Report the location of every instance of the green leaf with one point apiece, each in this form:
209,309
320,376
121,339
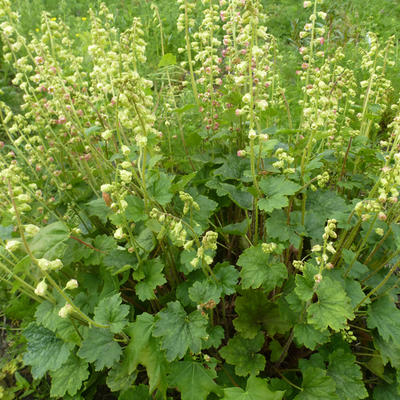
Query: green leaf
242,353
386,392
120,377
180,331
256,389
151,270
385,316
278,228
167,59
138,392
47,315
134,211
305,283
203,291
306,335
388,351
238,229
317,385
99,347
193,380
276,190
159,186
118,260
256,312
347,375
333,307
45,352
207,207
258,271
69,378
227,276
49,242
98,208
111,312
145,350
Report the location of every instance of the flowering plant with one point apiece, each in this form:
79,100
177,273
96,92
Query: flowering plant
195,229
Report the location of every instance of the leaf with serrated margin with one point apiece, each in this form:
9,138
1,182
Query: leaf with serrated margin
385,316
347,375
45,352
100,348
306,335
256,389
69,378
257,270
256,312
317,385
242,353
180,331
144,349
333,307
153,277
111,312
193,380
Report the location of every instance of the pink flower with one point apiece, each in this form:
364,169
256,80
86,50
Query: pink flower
321,40
241,153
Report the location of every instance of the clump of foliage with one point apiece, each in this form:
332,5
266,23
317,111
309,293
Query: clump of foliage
201,233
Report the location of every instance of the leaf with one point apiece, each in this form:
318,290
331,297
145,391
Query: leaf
159,186
242,353
69,378
152,277
118,260
386,392
193,380
45,352
167,59
120,377
305,283
145,350
306,335
256,312
278,228
333,307
201,292
347,375
238,229
49,242
47,315
233,168
385,316
276,189
180,331
111,312
207,207
388,351
227,276
256,389
317,385
99,347
134,211
98,208
257,270
138,392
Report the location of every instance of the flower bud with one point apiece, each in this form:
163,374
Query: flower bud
71,284
65,311
41,288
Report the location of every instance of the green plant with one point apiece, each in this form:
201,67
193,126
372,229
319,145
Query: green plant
204,233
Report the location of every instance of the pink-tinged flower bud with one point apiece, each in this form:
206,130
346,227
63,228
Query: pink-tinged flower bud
393,199
382,216
304,65
222,15
307,4
302,49
317,278
298,72
39,60
241,153
321,40
1,144
329,266
238,112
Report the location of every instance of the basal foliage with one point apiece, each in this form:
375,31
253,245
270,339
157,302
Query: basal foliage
201,233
